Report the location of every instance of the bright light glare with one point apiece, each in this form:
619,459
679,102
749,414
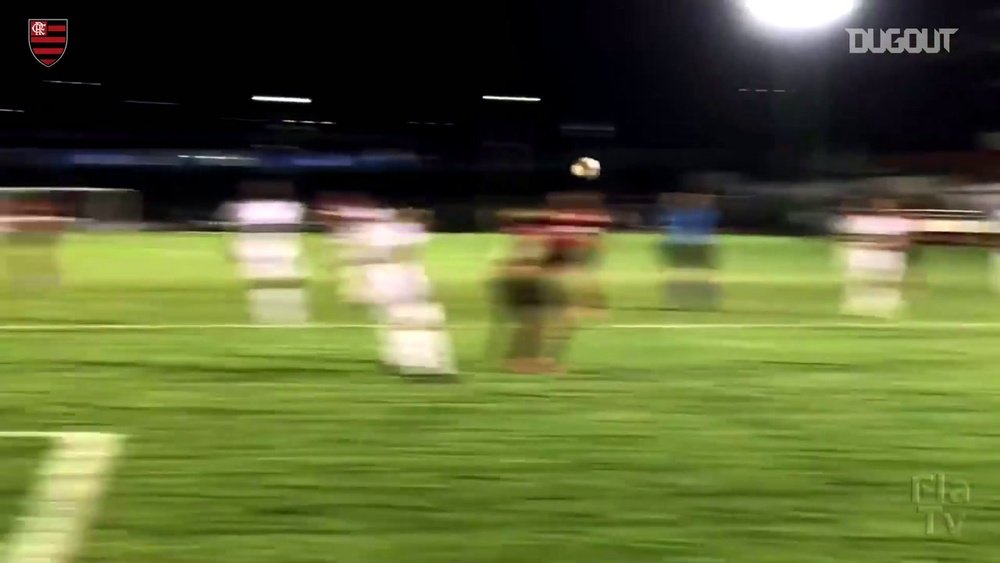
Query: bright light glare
282,99
799,14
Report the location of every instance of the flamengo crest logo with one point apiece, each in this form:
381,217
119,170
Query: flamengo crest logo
47,40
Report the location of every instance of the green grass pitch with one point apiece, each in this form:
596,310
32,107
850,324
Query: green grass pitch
724,443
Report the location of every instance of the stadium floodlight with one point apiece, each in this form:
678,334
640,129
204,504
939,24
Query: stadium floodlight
799,14
282,99
73,82
512,98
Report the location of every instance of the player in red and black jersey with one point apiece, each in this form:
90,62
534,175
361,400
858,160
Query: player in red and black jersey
576,224
548,278
520,291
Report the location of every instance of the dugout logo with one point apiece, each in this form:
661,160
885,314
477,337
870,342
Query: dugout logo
47,40
896,41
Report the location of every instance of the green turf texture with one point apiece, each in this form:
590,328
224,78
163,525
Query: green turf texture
701,445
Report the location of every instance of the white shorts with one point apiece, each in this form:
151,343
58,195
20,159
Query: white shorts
261,260
876,263
396,283
270,269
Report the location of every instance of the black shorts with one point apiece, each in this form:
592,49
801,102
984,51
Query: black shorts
521,292
701,256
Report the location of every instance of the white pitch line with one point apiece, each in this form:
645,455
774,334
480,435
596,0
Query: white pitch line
913,325
65,496
69,327
910,325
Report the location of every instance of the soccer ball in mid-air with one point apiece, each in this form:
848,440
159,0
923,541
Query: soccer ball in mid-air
586,167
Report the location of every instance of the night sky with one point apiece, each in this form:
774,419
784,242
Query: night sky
662,73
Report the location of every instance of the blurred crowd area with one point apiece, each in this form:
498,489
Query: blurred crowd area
802,199
801,208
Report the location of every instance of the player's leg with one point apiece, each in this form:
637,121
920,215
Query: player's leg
707,294
377,279
855,282
874,282
664,250
420,344
558,321
687,275
277,292
432,323
893,274
525,349
500,314
438,350
414,327
522,301
593,298
278,301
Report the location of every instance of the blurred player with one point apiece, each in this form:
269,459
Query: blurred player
877,241
344,218
577,222
574,237
690,222
524,293
412,330
268,250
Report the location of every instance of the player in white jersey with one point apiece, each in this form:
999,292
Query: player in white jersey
345,219
412,325
268,249
876,243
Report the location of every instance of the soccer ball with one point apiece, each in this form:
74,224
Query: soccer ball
586,167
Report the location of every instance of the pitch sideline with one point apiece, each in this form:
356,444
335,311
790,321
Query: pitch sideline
64,497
